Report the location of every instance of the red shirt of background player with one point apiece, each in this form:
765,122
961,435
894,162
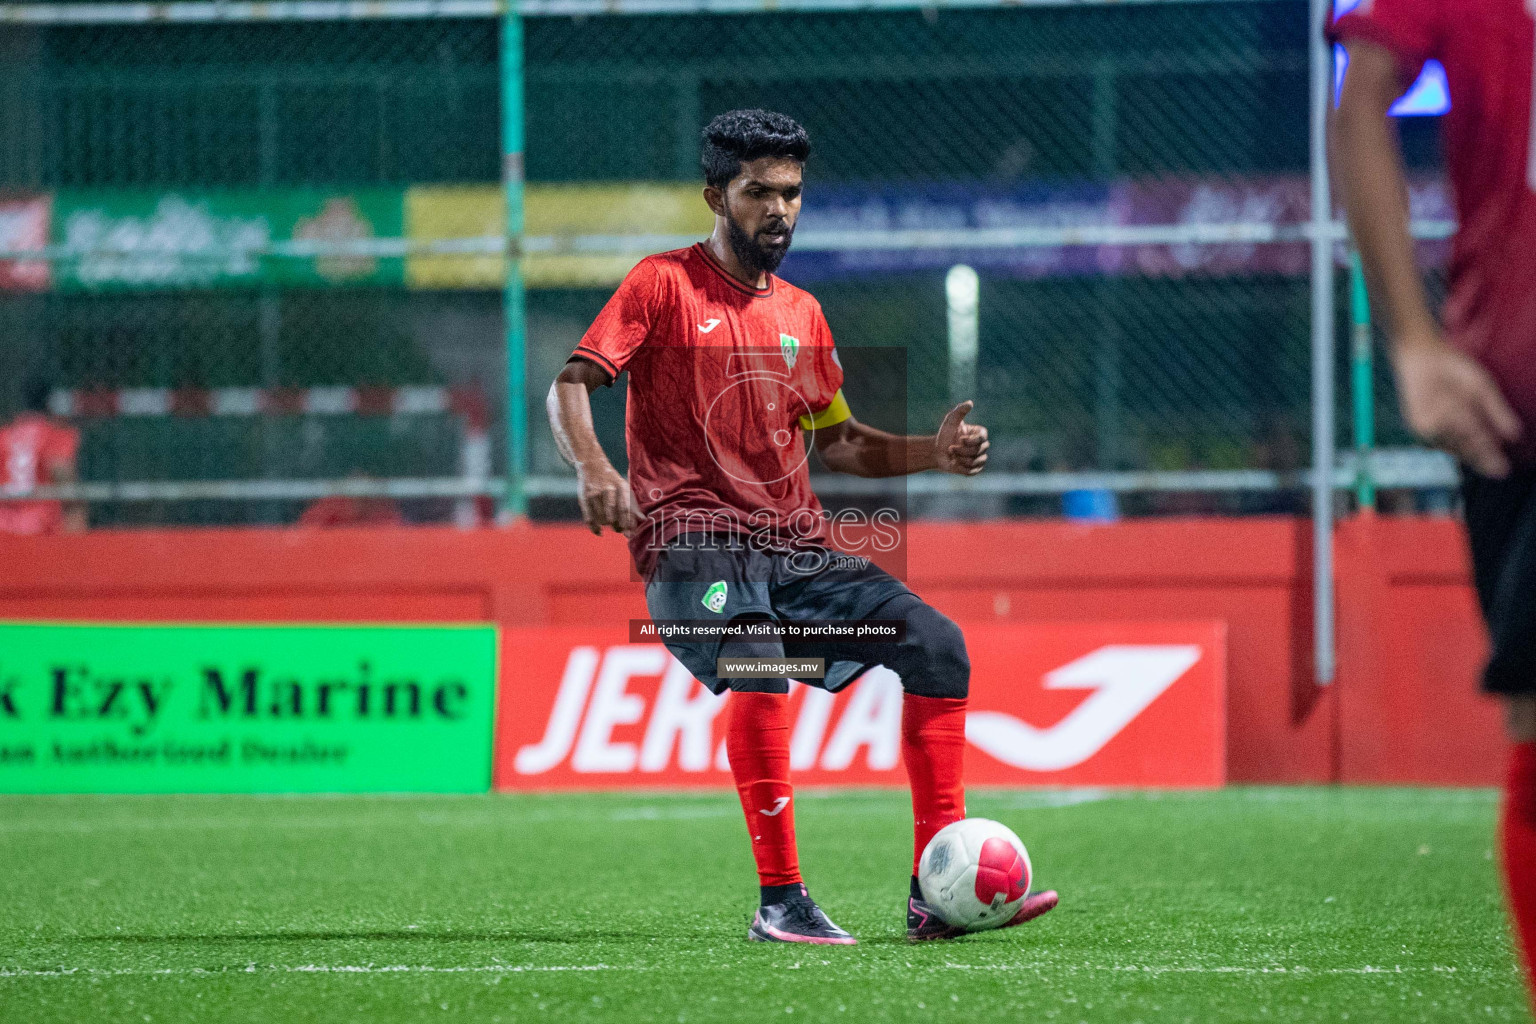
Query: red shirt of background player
1486,47
723,380
34,450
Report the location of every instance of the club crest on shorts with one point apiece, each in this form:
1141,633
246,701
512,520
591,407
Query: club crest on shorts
790,346
714,597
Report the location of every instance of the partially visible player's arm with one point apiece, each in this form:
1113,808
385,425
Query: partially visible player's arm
602,491
59,455
1447,398
63,472
859,450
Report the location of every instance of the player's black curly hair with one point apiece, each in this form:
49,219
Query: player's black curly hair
738,136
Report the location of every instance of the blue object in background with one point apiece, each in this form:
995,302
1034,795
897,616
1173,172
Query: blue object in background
1429,96
1090,506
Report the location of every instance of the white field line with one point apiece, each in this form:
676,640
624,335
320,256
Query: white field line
97,972
982,800
1155,969
1042,966
1042,800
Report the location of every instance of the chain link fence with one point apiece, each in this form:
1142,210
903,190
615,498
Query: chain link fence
267,253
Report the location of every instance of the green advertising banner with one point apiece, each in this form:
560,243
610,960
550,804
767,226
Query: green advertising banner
205,239
246,709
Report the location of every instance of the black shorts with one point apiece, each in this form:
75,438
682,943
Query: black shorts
818,583
1501,523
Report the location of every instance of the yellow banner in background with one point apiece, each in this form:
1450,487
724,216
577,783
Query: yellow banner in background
454,211
436,213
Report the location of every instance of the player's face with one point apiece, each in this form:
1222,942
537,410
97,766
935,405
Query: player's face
761,206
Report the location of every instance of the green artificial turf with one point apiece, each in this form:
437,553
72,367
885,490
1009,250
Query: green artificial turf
1241,905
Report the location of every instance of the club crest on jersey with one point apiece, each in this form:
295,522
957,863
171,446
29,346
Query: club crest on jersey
790,346
714,597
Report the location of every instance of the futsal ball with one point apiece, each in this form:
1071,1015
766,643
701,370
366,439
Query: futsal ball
975,873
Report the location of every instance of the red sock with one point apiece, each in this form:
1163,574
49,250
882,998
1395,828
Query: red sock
757,742
933,747
1518,829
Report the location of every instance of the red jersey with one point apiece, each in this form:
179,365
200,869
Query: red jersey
1486,47
30,450
723,379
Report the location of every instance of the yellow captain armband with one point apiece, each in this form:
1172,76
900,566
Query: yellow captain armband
830,416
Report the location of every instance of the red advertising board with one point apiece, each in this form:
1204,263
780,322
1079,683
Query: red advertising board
1105,704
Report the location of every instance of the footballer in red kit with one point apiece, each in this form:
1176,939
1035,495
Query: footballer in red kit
721,375
733,380
37,450
1471,386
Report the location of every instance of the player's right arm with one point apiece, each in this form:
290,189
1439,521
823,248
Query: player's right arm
1446,397
624,324
602,490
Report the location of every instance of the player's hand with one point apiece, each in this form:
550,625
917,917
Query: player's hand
605,499
1452,402
961,447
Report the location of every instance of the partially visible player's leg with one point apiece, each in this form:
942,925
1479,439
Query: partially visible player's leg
757,744
1501,524
1517,827
936,682
935,676
730,581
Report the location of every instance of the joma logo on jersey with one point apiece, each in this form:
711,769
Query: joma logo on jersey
790,346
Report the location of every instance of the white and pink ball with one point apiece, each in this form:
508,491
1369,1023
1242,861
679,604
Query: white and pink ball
975,873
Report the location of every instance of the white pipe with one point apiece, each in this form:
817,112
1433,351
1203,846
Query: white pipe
1323,344
191,12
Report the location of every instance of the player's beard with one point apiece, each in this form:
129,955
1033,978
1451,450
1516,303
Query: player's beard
753,255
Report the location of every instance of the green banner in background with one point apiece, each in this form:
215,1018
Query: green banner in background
242,709
204,239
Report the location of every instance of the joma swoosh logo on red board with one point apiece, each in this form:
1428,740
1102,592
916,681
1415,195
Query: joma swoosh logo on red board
1113,704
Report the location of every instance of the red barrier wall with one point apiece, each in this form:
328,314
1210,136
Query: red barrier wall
1411,644
1404,708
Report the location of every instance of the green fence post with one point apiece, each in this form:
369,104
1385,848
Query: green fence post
515,498
1362,388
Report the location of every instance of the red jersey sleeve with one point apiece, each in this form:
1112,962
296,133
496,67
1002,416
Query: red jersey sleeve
1409,28
826,396
625,322
829,368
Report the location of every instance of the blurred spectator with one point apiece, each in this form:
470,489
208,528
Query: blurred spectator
37,449
343,510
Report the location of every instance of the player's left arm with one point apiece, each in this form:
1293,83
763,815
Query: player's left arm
849,446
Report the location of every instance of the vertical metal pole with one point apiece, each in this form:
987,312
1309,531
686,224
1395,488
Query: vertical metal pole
1322,352
1361,385
515,500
